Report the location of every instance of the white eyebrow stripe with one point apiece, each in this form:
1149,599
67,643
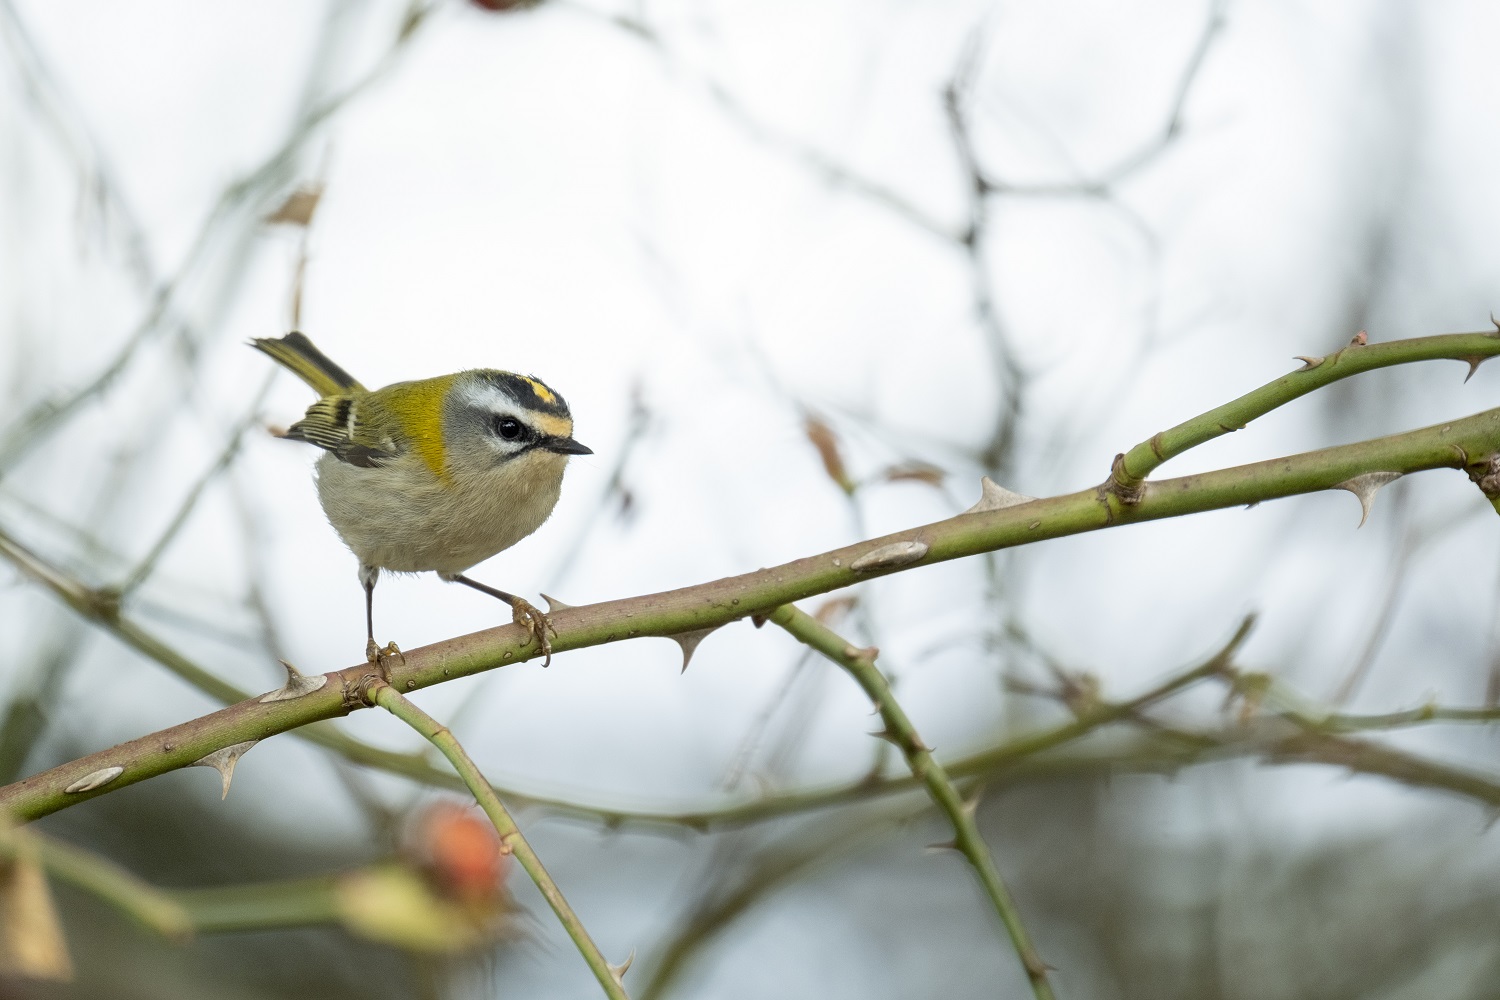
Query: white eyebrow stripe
485,396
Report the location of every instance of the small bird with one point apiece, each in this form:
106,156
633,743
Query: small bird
432,475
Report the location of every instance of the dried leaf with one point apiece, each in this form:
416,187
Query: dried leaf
31,938
827,443
299,207
916,471
835,608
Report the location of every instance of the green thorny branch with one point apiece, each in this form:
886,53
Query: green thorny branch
860,664
610,977
1000,520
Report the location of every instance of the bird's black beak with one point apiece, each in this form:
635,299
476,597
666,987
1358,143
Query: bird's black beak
567,446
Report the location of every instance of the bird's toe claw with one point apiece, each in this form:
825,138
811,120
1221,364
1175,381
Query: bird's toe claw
527,615
385,658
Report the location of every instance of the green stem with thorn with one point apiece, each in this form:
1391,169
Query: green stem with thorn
860,664
1135,465
378,692
1469,443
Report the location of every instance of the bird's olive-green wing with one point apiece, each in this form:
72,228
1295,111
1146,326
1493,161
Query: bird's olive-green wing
353,428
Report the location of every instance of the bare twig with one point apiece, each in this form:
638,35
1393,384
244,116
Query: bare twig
240,201
98,876
147,564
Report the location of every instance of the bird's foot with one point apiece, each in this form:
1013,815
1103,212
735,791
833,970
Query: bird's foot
383,659
527,615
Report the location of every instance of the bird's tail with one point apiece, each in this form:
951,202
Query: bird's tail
297,354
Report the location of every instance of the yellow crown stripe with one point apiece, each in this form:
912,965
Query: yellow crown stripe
542,392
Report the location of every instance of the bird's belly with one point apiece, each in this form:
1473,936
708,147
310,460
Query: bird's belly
398,517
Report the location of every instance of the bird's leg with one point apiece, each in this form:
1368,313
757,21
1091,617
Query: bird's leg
523,613
373,653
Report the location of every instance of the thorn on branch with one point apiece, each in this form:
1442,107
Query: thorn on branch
689,642
1474,363
1308,363
223,761
554,605
1365,487
1036,969
993,496
618,971
297,685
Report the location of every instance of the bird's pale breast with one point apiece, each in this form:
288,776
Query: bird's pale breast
400,517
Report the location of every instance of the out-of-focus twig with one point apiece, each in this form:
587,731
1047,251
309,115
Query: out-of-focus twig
242,201
102,878
762,874
615,492
189,503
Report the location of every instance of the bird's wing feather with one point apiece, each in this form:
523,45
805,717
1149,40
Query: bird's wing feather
348,427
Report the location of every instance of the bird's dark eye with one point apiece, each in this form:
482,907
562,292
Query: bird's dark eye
508,428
